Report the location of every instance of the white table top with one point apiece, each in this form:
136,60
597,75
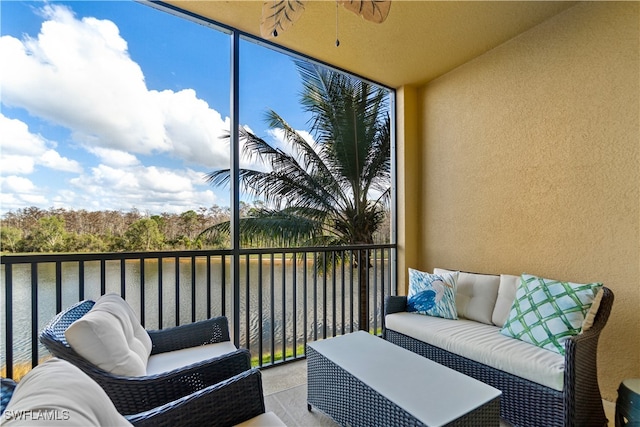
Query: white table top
432,393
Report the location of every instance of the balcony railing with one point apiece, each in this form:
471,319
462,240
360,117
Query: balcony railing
281,299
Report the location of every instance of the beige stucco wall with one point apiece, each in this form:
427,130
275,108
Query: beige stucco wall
529,162
409,224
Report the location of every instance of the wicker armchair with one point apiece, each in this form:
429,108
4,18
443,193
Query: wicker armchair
134,395
230,402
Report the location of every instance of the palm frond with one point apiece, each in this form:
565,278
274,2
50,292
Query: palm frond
270,228
320,192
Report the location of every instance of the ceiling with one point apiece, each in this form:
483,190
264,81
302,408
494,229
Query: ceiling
419,41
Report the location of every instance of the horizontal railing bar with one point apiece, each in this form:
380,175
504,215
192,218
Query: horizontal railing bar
109,256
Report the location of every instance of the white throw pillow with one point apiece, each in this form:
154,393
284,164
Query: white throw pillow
506,295
58,393
475,295
111,337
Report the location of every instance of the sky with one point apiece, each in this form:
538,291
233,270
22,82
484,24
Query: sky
115,105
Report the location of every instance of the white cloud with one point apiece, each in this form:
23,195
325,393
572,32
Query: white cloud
17,184
23,150
147,188
53,160
33,200
115,158
193,129
18,192
21,165
79,74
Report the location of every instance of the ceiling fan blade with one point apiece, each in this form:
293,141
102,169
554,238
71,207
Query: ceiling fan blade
371,10
279,15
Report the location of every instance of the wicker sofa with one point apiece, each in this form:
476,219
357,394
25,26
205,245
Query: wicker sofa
539,387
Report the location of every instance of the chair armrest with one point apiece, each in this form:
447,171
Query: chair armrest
208,331
224,404
395,304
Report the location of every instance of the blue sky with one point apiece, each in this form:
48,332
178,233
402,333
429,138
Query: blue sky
115,105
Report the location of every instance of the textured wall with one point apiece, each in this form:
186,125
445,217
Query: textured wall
409,223
530,163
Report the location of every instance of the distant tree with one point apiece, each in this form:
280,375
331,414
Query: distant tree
24,230
47,236
10,238
85,243
189,222
144,235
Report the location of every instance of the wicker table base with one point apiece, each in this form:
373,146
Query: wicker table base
361,380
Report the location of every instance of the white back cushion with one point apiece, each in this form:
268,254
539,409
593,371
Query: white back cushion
506,295
58,393
111,337
475,295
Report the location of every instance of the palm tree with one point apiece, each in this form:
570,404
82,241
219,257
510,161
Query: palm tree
333,191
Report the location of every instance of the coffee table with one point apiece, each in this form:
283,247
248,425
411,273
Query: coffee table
362,380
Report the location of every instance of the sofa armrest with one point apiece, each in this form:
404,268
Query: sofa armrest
395,304
208,331
227,403
582,392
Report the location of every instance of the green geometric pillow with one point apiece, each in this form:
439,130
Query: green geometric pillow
547,312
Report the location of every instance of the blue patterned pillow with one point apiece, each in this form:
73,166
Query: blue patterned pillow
432,294
547,312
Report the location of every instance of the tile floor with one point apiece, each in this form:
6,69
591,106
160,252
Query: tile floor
285,391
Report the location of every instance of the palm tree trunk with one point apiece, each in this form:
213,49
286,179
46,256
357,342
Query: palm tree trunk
363,282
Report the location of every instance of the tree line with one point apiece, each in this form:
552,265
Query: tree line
66,230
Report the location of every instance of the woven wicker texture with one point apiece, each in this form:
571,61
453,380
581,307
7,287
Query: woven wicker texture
224,404
227,403
525,403
347,400
133,395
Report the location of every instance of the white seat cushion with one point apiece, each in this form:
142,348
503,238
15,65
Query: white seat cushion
58,393
165,362
484,344
268,419
475,295
111,337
